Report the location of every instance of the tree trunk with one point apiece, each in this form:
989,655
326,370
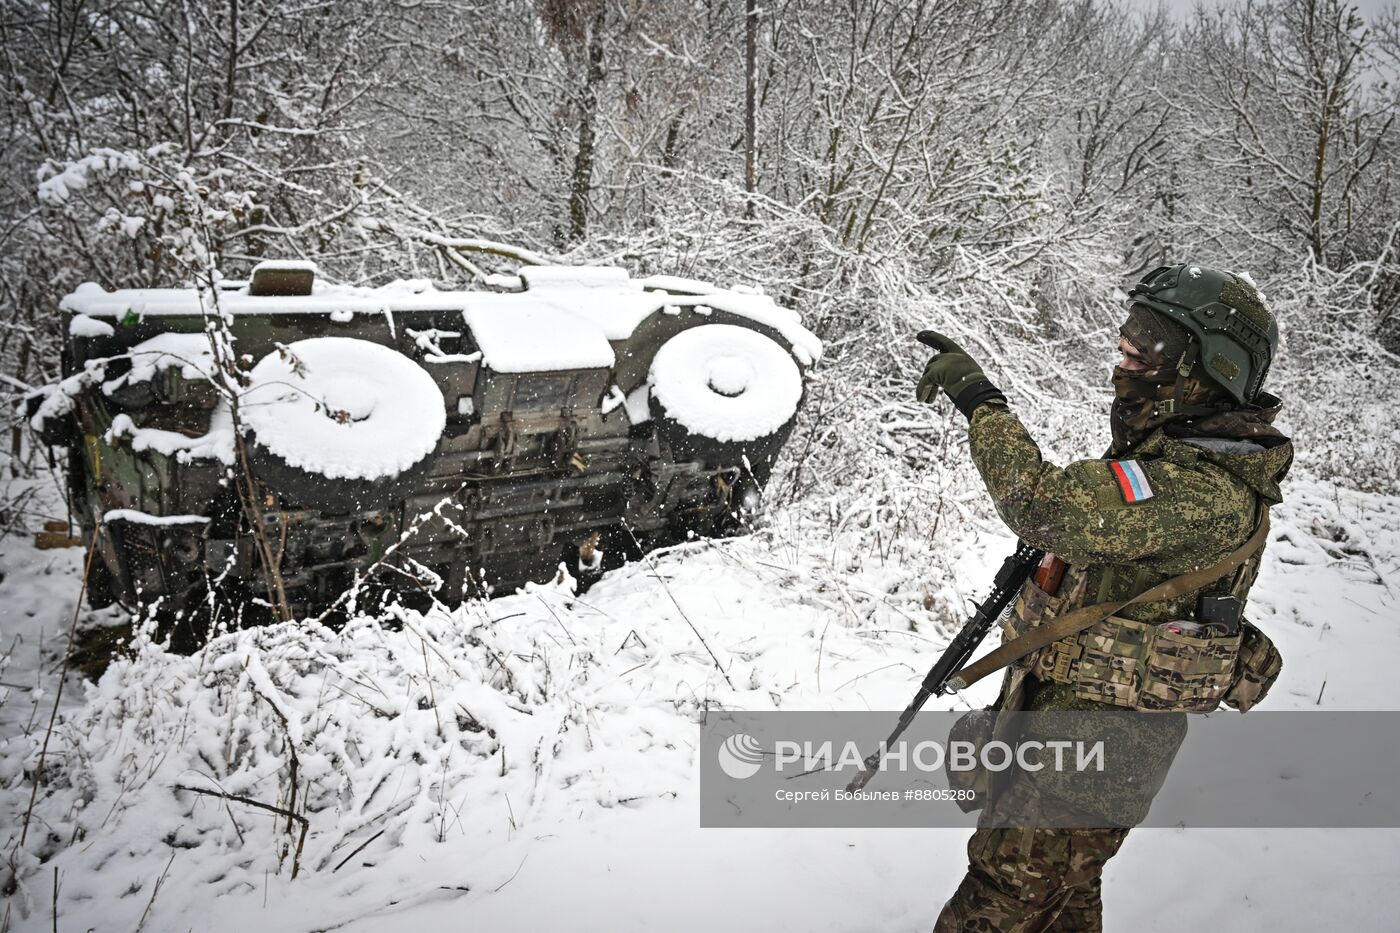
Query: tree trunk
750,79
16,432
1319,180
670,158
588,115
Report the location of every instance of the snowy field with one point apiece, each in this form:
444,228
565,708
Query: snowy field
529,763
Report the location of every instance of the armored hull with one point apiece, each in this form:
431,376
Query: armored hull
509,430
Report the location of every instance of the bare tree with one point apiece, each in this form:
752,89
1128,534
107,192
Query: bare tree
1292,121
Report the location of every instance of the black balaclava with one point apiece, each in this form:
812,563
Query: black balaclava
1139,396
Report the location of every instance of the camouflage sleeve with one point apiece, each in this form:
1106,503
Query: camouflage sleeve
1194,511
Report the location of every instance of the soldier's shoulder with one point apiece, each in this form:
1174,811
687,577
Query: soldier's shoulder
1190,455
1162,471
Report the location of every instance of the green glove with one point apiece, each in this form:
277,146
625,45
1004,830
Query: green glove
956,373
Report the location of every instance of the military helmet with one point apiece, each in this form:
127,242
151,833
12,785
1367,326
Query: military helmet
1225,314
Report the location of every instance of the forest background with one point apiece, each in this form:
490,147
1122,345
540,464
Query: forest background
998,169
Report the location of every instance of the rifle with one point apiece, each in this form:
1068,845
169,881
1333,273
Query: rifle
942,677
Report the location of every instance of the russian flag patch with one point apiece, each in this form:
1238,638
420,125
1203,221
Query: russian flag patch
1132,480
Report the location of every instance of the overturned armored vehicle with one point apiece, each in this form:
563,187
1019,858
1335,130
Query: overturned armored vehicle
437,442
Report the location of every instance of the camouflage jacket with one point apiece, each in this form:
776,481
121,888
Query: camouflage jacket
1170,506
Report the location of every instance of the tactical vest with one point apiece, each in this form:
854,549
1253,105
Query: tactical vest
1150,662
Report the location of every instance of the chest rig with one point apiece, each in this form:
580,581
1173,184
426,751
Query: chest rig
1158,656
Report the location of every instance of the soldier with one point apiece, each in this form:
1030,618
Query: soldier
1194,464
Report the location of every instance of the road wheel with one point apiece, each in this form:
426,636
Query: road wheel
339,424
725,396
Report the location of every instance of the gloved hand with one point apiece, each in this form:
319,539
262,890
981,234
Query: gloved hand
956,373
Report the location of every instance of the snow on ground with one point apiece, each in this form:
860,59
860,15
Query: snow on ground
529,763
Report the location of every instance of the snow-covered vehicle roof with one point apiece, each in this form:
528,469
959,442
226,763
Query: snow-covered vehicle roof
569,313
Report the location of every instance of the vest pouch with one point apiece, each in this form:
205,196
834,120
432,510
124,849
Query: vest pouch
975,726
1033,606
1110,657
1259,667
1187,671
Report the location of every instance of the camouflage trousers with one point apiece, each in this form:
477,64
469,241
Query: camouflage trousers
1032,879
1030,875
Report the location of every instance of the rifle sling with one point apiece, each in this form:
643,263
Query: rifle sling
1072,623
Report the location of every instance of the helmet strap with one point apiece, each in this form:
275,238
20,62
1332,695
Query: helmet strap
1189,356
1184,367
